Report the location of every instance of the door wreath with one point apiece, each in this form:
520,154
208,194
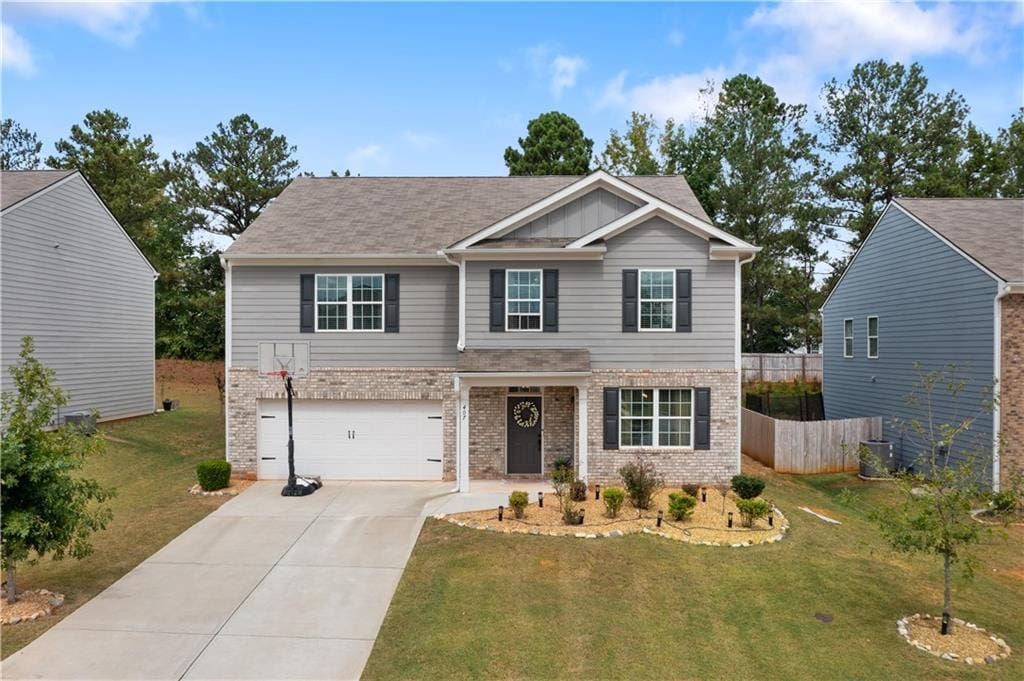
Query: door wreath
525,414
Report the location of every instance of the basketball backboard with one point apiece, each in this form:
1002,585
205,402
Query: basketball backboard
278,356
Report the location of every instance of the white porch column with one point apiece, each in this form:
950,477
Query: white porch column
462,423
581,435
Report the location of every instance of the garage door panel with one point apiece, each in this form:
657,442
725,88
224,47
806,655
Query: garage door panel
353,440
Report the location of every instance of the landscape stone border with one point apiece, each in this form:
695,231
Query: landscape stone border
198,491
783,526
976,514
902,626
44,607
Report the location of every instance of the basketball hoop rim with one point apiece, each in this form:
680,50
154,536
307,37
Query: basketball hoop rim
280,374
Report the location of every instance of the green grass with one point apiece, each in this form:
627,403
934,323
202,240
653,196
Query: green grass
150,462
476,604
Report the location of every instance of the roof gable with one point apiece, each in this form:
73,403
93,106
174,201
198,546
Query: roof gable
19,185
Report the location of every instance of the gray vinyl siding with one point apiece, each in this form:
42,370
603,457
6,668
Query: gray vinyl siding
933,307
265,307
590,304
87,303
576,218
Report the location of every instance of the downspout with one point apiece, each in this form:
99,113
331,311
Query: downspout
997,360
461,264
739,357
227,355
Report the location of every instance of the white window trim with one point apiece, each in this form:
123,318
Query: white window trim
656,417
867,328
851,337
349,305
539,316
640,301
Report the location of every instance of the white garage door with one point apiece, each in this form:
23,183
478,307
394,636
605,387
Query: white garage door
352,440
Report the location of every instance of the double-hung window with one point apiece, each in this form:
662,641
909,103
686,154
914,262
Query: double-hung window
350,302
847,338
656,417
657,300
872,337
523,300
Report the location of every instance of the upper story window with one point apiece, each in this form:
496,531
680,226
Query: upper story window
872,337
847,338
661,417
657,300
523,300
350,302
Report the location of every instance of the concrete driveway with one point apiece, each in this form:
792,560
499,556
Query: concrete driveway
265,587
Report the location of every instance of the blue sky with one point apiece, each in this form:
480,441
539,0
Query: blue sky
435,89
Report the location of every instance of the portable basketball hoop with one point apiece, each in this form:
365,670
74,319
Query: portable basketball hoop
297,486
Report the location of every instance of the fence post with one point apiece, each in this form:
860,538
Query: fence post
803,368
760,367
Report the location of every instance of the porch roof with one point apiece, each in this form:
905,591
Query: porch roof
524,361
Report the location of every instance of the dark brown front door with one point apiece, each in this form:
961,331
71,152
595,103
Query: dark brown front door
524,421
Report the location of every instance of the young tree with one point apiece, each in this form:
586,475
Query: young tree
636,151
554,145
20,147
232,174
1010,142
48,508
939,491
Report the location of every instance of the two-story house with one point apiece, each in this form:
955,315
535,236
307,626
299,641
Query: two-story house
477,328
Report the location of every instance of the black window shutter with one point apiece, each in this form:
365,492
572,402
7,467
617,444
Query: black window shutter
391,303
702,418
611,418
551,300
497,300
684,301
307,303
630,299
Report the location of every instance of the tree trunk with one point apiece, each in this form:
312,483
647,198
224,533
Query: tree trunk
12,593
947,594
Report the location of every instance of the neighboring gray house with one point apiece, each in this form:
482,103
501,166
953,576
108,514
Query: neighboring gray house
473,328
940,282
74,281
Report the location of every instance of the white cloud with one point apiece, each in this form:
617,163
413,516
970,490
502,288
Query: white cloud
676,96
421,140
368,155
676,37
564,69
17,55
120,22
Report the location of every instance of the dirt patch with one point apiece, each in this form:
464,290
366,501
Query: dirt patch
709,523
967,643
30,606
188,372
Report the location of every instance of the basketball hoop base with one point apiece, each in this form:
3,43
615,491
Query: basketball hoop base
301,487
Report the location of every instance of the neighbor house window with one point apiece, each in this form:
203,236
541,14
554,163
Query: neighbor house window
655,417
349,302
657,300
872,337
847,338
523,300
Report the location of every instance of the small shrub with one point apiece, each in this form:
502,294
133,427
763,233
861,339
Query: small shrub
213,475
747,486
562,478
562,463
1010,499
613,498
518,502
752,509
578,490
641,481
681,505
692,490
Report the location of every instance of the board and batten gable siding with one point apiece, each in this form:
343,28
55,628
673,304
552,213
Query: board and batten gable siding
576,218
590,304
934,307
265,307
88,302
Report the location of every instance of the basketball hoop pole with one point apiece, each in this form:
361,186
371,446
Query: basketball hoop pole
296,487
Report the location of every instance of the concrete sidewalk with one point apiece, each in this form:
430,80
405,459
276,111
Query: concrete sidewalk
265,587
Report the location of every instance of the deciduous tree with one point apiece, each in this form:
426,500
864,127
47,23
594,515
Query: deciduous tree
554,145
634,152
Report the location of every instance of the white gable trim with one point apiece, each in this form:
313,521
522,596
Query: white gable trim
894,204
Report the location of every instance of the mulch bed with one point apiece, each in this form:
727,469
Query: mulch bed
708,525
967,643
31,605
236,487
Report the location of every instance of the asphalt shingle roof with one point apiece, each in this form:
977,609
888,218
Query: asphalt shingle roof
16,185
408,215
505,360
989,230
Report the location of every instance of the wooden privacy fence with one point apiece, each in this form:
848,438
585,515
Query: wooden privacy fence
781,367
806,446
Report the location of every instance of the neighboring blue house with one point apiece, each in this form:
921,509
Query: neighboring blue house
940,282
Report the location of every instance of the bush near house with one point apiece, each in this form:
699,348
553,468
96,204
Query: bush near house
752,509
213,475
747,486
518,501
613,499
642,481
681,505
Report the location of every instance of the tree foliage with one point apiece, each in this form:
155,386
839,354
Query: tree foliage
19,147
190,308
1011,146
554,145
634,152
233,173
48,508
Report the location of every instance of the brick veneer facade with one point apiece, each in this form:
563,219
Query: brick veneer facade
487,417
1011,387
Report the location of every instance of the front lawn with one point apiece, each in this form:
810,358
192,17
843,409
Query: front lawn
150,461
480,604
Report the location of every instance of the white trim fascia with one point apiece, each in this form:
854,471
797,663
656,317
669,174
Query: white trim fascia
733,253
590,253
343,259
227,359
657,208
895,204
